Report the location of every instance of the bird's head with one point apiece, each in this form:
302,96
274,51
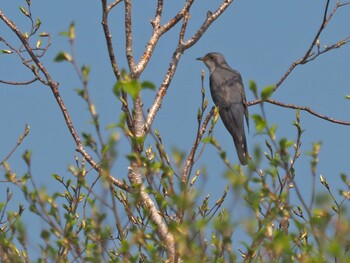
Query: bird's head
212,60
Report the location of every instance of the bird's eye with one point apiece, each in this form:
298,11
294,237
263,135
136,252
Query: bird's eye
211,57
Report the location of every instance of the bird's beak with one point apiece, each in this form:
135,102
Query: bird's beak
201,59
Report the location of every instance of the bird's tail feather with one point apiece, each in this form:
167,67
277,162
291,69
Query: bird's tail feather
242,151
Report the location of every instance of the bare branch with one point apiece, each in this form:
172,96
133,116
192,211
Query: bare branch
303,108
128,37
343,4
183,28
323,25
18,83
108,38
112,5
19,141
327,49
211,17
156,21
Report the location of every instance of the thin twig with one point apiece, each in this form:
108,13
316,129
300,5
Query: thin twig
129,37
112,5
303,108
15,83
190,159
19,141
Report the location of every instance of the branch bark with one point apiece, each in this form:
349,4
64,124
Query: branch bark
303,108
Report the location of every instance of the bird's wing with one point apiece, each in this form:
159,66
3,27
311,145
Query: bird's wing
228,94
232,117
226,87
244,101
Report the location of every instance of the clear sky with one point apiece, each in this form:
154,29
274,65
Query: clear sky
261,39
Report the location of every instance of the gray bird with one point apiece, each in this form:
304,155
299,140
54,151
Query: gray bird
227,91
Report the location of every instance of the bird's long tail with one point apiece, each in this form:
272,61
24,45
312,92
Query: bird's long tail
242,150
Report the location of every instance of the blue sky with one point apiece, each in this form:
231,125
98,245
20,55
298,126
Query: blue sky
261,39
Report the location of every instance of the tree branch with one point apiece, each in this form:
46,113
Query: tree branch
108,38
303,108
18,83
19,141
112,5
129,37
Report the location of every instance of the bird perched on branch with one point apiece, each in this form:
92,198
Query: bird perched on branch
227,91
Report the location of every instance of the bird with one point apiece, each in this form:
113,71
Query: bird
227,92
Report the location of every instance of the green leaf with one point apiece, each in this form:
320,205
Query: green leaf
45,235
89,140
57,178
253,87
85,70
6,51
71,32
37,24
207,140
38,43
132,87
205,104
80,92
62,56
267,92
44,34
148,85
27,156
272,131
260,122
24,11
347,97
285,144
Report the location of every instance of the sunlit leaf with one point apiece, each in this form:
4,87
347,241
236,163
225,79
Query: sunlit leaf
131,87
6,51
260,122
44,34
38,43
85,70
148,85
62,56
71,32
24,11
253,87
267,92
